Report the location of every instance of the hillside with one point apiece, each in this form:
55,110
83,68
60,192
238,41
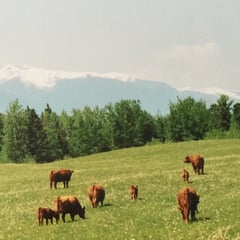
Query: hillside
155,215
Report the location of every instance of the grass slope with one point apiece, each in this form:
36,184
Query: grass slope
155,215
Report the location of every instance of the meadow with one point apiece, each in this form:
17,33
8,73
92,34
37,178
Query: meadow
155,215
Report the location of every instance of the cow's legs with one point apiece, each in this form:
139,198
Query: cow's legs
72,216
63,217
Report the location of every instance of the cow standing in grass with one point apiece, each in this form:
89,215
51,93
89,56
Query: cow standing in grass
197,162
188,201
48,214
133,192
56,176
69,205
96,194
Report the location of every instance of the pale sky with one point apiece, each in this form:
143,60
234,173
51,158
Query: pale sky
185,43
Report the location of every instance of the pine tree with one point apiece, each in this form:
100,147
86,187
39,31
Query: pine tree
36,137
15,132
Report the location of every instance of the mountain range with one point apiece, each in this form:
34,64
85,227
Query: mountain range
36,87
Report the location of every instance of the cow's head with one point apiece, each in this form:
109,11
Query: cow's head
82,212
187,159
56,216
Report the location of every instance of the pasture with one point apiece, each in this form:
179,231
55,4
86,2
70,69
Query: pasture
155,215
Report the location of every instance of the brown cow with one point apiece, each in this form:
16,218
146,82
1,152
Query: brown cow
71,205
185,175
197,162
47,213
56,176
96,194
188,201
133,191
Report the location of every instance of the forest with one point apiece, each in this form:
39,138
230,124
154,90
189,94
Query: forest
26,136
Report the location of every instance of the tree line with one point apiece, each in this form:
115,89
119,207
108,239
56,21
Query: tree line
26,136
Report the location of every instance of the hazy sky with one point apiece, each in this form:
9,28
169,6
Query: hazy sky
185,43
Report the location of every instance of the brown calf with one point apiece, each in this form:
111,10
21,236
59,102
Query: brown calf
133,191
185,175
48,214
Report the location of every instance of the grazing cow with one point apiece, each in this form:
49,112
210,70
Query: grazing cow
185,175
60,176
47,213
71,205
188,201
133,191
96,194
197,163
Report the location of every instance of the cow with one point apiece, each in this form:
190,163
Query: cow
56,176
197,163
188,201
185,175
71,205
48,214
96,194
133,191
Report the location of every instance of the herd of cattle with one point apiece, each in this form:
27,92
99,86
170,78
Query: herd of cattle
70,204
187,197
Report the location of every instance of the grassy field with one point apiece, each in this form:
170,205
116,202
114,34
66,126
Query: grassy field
155,215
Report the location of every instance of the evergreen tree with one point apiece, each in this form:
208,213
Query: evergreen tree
15,133
161,127
64,131
236,115
36,137
1,130
51,125
224,112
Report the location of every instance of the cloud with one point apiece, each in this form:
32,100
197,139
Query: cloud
195,65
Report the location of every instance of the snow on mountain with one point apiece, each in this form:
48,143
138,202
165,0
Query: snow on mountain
212,91
43,78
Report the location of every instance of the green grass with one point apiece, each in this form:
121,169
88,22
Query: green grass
155,215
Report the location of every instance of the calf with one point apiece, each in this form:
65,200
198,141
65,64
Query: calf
56,176
185,175
71,205
197,162
48,214
188,201
133,191
96,194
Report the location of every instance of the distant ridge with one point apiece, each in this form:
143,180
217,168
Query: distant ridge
65,91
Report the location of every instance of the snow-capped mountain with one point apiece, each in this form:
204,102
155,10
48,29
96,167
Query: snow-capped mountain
35,87
43,78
